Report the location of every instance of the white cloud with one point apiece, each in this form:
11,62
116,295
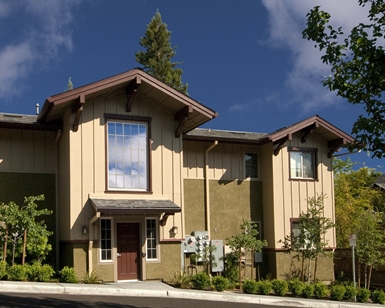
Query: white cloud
46,28
287,20
240,108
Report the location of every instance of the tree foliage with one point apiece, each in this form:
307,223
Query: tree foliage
21,229
353,195
246,241
156,59
357,64
310,241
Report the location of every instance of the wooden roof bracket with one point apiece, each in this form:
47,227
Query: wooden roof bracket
280,143
334,145
308,130
182,117
131,91
163,220
77,108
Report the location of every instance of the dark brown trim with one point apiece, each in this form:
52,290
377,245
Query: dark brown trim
136,192
171,240
35,126
131,91
182,116
77,108
280,143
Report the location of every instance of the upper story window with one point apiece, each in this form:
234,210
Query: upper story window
302,164
128,155
251,165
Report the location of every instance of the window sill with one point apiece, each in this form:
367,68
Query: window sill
303,180
128,192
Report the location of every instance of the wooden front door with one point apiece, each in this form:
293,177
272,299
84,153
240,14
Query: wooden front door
128,249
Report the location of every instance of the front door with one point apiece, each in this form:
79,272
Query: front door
128,248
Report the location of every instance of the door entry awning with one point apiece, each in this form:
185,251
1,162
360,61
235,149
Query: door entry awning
134,206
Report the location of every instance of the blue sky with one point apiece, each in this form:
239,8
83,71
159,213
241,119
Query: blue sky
244,59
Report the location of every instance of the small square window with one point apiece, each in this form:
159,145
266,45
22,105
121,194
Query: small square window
302,165
251,165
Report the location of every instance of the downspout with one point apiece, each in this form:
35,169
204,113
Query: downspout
91,240
207,187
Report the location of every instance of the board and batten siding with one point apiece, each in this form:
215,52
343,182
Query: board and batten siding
289,197
28,151
87,158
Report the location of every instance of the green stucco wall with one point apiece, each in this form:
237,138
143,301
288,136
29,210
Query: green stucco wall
15,186
231,202
170,258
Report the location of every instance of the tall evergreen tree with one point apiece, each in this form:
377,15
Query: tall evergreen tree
156,59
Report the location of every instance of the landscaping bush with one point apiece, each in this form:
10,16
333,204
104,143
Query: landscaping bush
220,283
363,295
3,269
350,292
250,286
90,278
378,297
308,291
17,272
264,287
320,290
337,292
279,287
200,281
67,274
180,280
296,287
39,272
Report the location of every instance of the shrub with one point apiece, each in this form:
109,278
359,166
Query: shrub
3,269
220,283
17,272
350,292
200,281
250,286
320,290
308,291
180,280
378,297
296,287
90,278
279,287
67,274
363,295
39,272
264,287
337,292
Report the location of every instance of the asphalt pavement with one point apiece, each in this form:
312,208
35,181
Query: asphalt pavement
160,289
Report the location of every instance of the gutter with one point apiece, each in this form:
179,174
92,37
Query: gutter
207,187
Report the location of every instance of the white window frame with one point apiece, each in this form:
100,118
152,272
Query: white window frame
246,176
101,240
156,248
128,160
297,171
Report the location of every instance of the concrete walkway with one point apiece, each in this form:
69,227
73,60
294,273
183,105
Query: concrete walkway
159,289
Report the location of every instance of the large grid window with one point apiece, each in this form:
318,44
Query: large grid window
151,239
302,165
251,165
127,155
105,240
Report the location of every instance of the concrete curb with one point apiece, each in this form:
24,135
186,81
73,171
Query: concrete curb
144,289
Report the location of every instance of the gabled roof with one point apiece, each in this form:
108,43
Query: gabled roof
315,124
23,121
188,111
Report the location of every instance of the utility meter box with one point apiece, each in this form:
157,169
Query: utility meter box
189,244
201,244
217,263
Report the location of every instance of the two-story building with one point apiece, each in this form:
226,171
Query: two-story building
128,173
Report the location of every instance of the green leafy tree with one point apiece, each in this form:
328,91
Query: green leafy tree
370,243
22,230
357,64
245,242
310,242
353,195
156,59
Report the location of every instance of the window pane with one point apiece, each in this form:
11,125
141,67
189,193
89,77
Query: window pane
127,155
308,169
151,240
302,165
251,165
105,239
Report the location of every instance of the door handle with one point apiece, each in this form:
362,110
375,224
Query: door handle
118,255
